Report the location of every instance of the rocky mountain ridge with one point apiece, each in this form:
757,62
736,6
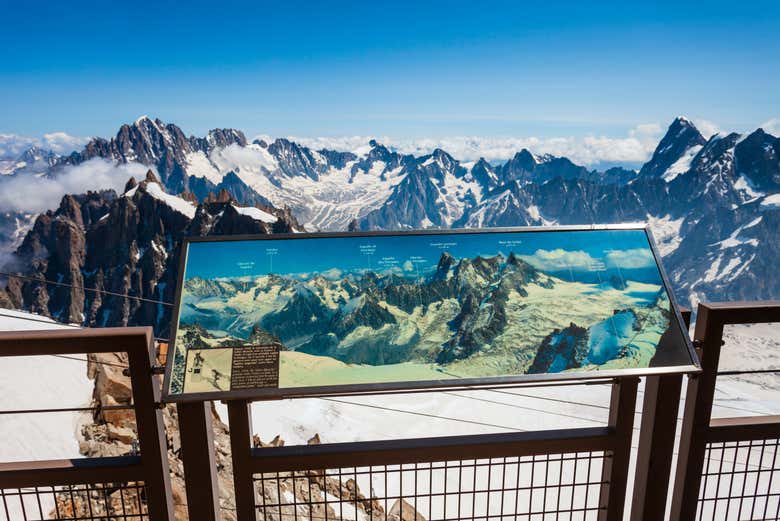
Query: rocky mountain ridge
101,245
719,197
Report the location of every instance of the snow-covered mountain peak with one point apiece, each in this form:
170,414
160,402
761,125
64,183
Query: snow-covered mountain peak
33,161
682,122
152,187
675,151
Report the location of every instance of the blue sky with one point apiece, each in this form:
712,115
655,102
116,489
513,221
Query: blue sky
415,255
416,69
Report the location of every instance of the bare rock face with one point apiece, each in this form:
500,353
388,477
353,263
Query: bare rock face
310,495
403,511
6,301
110,382
258,443
101,246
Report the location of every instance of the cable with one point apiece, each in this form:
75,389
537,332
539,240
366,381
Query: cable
569,402
424,414
560,400
64,324
94,290
516,406
70,409
748,371
121,366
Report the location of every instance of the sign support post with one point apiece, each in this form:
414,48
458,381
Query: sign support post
200,468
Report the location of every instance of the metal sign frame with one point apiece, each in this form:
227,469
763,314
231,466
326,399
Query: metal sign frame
399,387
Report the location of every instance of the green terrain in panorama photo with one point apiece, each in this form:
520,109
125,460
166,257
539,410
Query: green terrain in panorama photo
373,309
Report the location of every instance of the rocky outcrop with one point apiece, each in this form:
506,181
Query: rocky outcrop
366,312
561,350
100,246
113,433
402,510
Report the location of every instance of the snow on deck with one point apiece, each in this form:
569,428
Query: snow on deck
36,382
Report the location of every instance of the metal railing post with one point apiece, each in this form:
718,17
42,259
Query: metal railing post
615,471
240,417
696,417
151,430
197,454
655,450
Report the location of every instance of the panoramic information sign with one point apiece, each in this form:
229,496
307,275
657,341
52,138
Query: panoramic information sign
307,314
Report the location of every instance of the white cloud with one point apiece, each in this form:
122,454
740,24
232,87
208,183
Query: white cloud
634,148
63,143
37,194
12,145
332,274
707,128
772,126
560,259
578,260
630,259
408,266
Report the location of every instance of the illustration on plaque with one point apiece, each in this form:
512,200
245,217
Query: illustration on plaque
268,313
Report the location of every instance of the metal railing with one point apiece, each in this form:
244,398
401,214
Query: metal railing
521,487
576,473
727,467
84,502
124,487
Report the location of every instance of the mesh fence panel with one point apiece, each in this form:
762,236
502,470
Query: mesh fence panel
105,502
554,486
740,481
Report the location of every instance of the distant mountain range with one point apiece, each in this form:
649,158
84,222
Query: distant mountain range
713,205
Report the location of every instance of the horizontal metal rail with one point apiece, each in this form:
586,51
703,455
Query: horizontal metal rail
73,341
425,450
71,472
743,429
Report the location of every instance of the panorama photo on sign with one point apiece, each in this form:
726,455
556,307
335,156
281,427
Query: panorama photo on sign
281,316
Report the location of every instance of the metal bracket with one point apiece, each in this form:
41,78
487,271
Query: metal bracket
156,370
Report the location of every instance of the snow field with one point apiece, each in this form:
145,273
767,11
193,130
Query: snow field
38,382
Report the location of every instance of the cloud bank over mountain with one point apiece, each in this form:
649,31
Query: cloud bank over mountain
634,148
11,145
591,150
37,194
